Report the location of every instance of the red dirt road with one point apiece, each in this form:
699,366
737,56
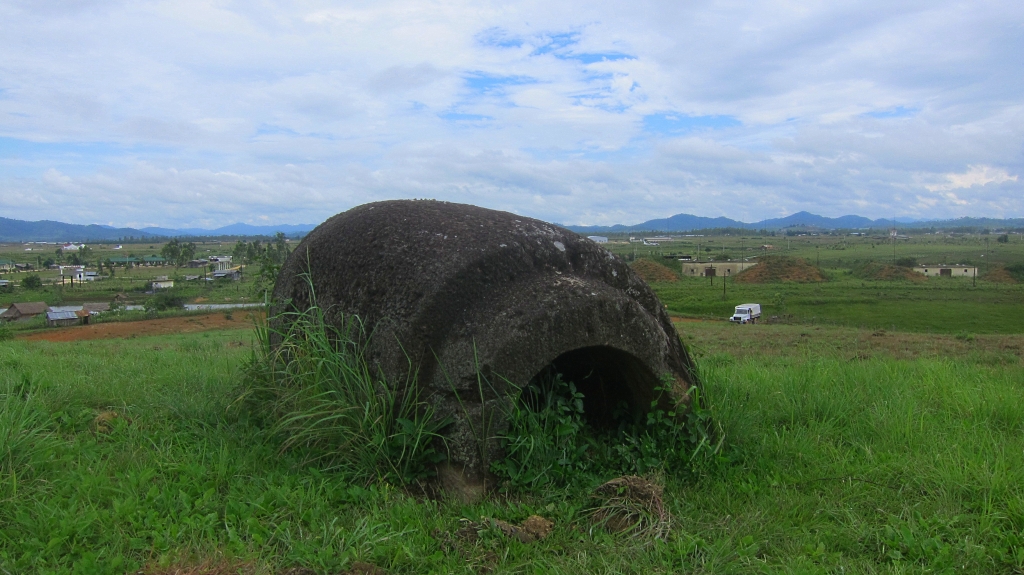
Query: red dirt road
163,326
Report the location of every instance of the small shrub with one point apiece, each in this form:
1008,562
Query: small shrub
32,281
549,442
165,300
545,443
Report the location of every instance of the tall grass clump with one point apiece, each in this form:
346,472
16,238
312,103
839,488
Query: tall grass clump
310,382
26,435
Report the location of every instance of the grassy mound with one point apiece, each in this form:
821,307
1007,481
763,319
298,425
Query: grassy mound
999,275
770,269
877,271
652,271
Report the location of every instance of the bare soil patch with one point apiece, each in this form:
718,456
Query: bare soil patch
652,271
877,271
129,329
780,269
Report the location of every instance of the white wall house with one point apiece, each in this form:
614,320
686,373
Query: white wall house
957,271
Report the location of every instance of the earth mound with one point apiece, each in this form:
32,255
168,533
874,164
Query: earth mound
999,275
772,269
652,271
878,271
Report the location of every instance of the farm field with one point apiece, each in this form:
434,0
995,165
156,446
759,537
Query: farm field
991,303
844,450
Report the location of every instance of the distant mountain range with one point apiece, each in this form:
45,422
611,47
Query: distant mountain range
47,231
688,222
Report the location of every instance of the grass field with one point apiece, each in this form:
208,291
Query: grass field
932,305
845,451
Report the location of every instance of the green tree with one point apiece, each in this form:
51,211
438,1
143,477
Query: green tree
171,251
85,253
238,253
1003,239
32,281
188,251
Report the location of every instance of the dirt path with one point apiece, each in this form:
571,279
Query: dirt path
127,329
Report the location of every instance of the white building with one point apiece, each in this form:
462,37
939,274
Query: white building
957,271
708,269
598,239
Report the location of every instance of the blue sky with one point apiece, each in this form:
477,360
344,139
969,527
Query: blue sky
199,113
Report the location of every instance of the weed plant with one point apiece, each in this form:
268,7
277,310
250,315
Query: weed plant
309,381
549,442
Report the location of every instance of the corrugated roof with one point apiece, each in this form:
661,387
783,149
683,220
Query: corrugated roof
59,315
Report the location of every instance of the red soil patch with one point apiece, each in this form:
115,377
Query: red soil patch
652,271
780,269
127,329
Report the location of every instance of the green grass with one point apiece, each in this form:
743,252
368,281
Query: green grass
840,456
938,305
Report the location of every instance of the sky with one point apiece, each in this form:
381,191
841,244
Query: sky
192,113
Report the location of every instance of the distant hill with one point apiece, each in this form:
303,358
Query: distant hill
688,222
238,229
48,231
12,230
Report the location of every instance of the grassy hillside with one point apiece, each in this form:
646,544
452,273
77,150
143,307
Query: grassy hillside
845,451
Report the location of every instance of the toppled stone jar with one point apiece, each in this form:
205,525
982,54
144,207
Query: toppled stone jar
478,302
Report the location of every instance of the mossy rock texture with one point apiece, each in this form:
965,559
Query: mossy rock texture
476,303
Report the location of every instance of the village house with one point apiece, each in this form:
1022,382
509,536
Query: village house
62,318
124,261
708,269
231,274
24,310
220,263
957,271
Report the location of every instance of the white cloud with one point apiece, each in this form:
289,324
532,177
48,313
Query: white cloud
185,112
974,176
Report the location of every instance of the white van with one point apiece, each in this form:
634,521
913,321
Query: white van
747,312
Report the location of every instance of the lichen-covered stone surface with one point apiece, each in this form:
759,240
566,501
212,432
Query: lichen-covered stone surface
478,302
